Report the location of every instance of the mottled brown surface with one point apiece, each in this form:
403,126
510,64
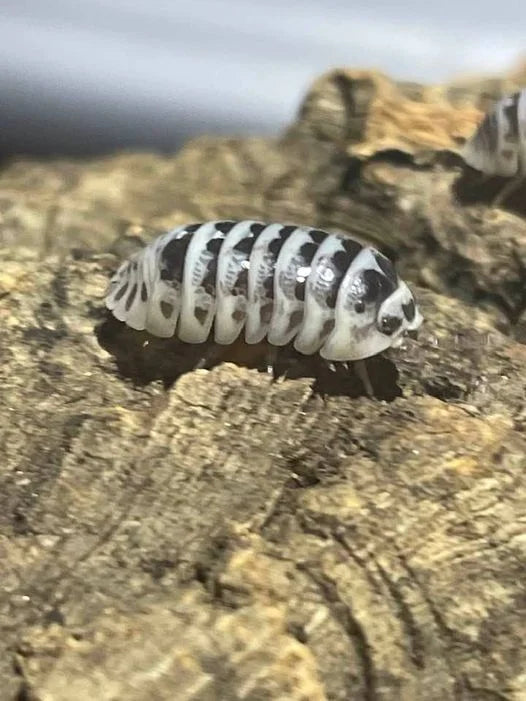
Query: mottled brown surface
169,533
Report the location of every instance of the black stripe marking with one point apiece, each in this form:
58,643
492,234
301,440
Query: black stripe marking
352,247
245,245
276,244
257,228
209,279
225,226
341,260
487,136
201,314
241,284
378,287
131,297
120,294
166,309
317,235
409,310
214,245
387,268
307,251
173,257
511,113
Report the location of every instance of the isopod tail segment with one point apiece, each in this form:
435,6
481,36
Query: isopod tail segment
324,293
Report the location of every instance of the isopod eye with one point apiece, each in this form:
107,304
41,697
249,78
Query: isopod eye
389,324
359,307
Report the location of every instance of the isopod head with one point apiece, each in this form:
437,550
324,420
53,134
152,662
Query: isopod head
375,311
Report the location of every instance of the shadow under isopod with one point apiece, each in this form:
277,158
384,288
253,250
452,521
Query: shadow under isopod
143,358
472,188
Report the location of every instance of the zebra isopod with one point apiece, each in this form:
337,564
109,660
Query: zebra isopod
325,292
498,146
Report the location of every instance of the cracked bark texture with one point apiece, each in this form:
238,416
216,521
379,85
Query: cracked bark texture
170,533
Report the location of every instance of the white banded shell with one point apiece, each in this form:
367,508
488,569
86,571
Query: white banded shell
325,292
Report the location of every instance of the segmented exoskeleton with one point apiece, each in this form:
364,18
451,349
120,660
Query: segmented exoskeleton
324,292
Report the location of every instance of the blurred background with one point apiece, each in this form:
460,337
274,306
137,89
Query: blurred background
92,76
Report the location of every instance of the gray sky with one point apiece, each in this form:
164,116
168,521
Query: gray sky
94,74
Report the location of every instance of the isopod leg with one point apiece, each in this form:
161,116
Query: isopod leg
271,355
507,190
361,370
212,352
